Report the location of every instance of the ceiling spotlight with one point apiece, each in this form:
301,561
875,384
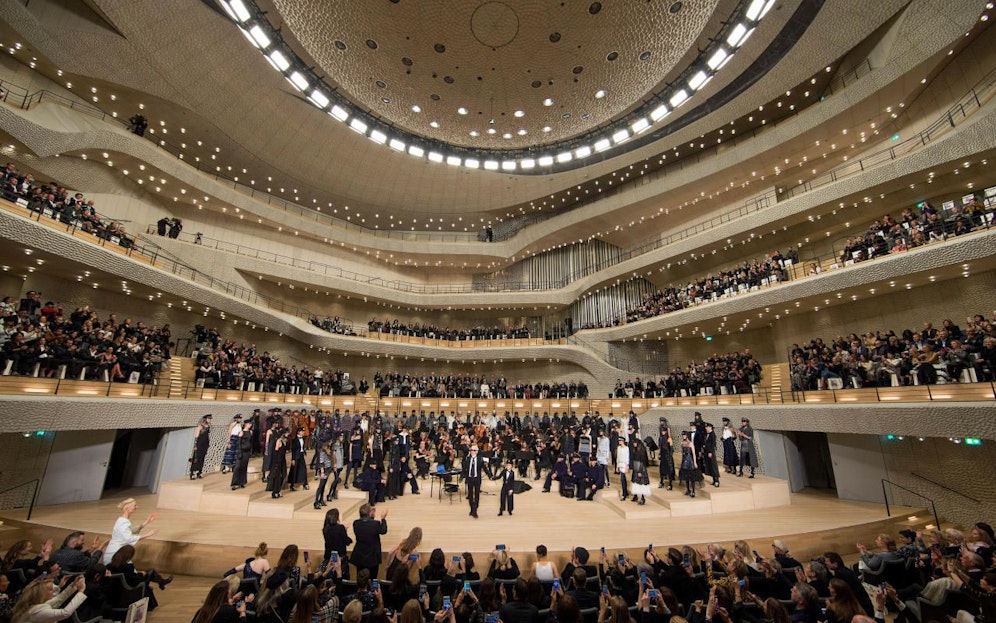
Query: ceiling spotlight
416,108
519,113
462,110
599,94
548,101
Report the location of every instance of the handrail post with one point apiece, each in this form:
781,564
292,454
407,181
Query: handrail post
885,496
34,496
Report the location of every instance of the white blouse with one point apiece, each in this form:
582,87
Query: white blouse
122,534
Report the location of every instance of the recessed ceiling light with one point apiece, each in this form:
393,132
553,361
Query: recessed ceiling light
548,101
522,132
416,108
434,124
519,113
462,110
475,133
599,94
507,135
492,131
547,128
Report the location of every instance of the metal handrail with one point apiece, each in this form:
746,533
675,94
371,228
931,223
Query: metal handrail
946,488
885,496
34,493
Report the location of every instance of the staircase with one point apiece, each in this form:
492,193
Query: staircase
180,371
777,377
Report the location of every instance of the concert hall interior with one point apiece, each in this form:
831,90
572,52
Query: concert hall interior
723,267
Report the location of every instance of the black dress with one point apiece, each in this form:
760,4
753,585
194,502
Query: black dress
201,444
688,471
239,475
666,447
278,468
299,463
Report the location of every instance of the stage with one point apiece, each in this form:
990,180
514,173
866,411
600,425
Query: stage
217,528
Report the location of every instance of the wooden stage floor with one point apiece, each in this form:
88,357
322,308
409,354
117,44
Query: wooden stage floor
205,543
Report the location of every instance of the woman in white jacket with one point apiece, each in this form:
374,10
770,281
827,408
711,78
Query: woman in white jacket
40,600
622,464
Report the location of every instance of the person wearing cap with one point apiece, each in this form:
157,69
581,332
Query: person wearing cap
232,449
710,464
666,446
622,464
731,460
559,473
471,472
748,452
593,481
202,442
507,489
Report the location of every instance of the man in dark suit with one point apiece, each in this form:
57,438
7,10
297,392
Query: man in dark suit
517,609
558,473
580,592
367,553
471,472
593,481
507,489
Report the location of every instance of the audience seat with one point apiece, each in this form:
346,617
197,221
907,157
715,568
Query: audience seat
119,596
895,572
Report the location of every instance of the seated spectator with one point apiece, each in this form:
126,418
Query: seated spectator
121,563
72,558
503,566
42,602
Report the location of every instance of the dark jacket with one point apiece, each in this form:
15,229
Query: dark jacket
367,552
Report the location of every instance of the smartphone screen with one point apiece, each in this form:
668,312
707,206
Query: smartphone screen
466,586
500,548
688,560
412,556
335,557
457,559
643,577
306,557
622,558
446,603
491,618
556,585
605,589
376,585
742,582
653,593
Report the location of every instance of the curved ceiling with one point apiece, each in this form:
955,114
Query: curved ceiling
499,74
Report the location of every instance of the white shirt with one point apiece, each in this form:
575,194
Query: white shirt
622,458
122,534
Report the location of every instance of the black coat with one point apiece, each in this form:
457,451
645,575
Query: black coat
367,552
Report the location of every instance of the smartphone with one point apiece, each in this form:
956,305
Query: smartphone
650,547
603,551
687,561
335,557
457,559
622,559
375,585
412,557
500,547
446,603
466,586
556,585
742,582
757,557
643,577
653,593
306,557
240,604
605,589
491,618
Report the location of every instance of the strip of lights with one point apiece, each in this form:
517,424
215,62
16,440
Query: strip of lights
258,31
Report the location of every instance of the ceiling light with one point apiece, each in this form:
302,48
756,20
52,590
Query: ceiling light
737,35
527,163
718,59
640,125
435,156
491,165
599,94
238,8
396,145
416,108
278,60
620,136
339,113
259,36
492,131
583,152
698,80
565,156
522,132
378,137
358,125
434,124
462,110
548,101
319,99
679,98
659,113
475,133
453,161
506,135
471,163
508,165
519,113
758,9
602,144
547,128
545,161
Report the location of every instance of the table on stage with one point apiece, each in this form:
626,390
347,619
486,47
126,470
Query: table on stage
442,476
